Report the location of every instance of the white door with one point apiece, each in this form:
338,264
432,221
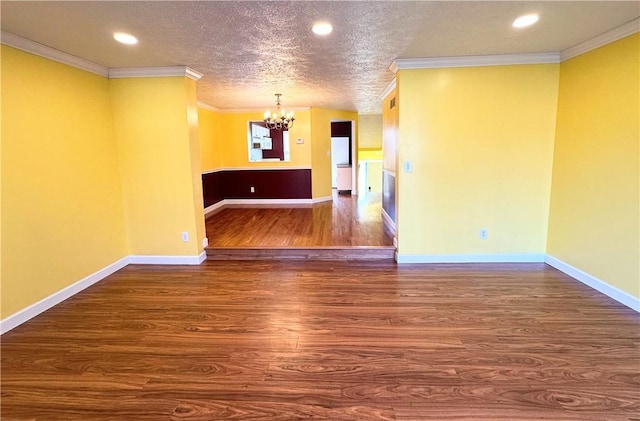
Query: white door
339,155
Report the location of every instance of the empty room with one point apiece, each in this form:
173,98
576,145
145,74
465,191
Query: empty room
340,210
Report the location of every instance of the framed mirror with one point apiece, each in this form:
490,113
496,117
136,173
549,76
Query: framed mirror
266,145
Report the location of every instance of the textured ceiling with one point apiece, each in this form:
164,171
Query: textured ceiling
250,50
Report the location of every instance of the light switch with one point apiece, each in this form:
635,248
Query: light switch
408,166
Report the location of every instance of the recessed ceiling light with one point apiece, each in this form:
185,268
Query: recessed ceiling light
526,20
125,38
322,28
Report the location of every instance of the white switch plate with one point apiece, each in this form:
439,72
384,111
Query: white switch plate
484,234
299,141
185,237
252,189
408,166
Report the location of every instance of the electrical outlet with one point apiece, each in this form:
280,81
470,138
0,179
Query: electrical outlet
484,234
205,242
408,166
185,237
252,189
299,141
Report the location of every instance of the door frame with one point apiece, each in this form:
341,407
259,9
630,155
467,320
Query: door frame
354,155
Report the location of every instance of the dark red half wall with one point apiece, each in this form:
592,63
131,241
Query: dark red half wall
267,184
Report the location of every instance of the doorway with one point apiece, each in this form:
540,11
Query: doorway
348,168
339,156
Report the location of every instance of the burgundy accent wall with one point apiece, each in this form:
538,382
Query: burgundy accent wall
212,188
277,148
389,194
268,184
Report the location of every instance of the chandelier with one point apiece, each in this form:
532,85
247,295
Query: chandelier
279,119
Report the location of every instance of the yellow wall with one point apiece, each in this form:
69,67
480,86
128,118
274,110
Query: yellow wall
370,131
321,148
367,155
390,131
211,144
481,143
225,142
594,214
374,177
197,201
62,210
155,151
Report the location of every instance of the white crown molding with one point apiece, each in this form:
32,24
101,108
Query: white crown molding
474,61
608,37
170,71
16,41
24,44
208,107
390,87
620,32
393,67
595,283
193,74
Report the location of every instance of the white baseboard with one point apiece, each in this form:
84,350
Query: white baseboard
226,202
33,310
57,297
213,207
387,220
470,258
267,201
168,260
595,283
322,199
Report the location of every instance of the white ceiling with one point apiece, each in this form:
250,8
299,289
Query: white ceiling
250,50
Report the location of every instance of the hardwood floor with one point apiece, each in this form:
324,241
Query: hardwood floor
266,340
345,222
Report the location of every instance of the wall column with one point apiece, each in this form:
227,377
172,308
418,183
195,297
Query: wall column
156,126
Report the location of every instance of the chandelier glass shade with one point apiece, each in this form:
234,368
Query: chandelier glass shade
278,119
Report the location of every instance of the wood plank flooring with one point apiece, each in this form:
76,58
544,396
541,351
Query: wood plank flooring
349,228
346,221
268,340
